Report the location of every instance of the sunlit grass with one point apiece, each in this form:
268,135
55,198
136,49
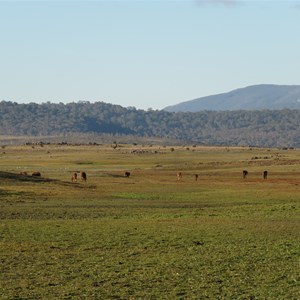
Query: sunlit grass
149,236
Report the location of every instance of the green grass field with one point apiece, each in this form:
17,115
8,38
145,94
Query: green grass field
149,236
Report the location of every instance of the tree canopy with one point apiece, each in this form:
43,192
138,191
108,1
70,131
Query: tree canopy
271,128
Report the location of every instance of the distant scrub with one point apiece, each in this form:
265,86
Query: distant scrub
278,128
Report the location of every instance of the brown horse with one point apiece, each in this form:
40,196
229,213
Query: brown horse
36,173
74,177
196,177
83,176
179,175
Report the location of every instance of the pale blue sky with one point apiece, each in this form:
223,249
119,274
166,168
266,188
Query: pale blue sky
144,53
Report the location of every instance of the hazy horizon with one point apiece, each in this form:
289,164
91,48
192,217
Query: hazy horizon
146,54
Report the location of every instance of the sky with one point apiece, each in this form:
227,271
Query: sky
144,54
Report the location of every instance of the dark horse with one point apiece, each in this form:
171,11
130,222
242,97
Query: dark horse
245,173
83,176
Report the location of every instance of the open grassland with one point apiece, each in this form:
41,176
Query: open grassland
149,236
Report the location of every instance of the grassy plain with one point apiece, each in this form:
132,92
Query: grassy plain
149,236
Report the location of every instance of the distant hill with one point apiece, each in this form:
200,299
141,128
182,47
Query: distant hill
256,97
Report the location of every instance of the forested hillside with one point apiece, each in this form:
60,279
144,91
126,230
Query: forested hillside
278,128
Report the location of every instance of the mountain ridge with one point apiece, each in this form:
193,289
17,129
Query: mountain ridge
254,97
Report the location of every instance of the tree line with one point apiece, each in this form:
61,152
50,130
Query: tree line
269,128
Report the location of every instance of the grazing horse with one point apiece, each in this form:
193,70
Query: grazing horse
38,174
74,177
179,175
265,174
127,174
245,173
196,177
23,173
83,176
